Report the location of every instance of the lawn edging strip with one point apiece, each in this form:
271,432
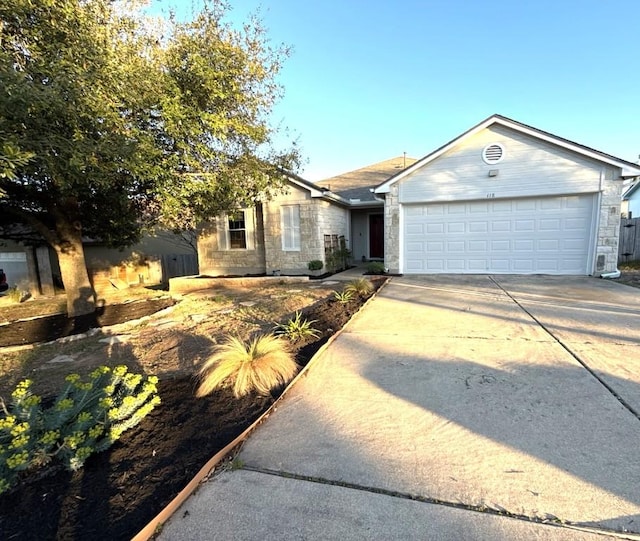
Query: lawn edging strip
165,514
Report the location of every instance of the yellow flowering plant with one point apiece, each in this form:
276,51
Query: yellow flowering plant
87,417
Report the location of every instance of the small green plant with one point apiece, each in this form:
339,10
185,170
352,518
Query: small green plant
315,265
375,267
86,418
343,297
359,286
260,365
297,329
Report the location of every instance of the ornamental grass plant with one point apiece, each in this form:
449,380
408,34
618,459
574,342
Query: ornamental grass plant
261,365
359,286
86,418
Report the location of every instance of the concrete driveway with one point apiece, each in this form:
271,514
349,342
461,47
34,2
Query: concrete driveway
451,407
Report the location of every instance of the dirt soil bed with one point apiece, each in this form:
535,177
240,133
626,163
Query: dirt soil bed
630,277
122,489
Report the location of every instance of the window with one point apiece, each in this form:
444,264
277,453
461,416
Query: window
237,231
290,215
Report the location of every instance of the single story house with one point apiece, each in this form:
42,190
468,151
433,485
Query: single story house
502,198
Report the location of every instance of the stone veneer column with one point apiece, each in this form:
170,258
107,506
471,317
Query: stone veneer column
609,227
392,230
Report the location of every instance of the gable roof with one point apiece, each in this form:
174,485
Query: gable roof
356,185
628,169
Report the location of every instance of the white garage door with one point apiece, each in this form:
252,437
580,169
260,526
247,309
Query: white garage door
548,235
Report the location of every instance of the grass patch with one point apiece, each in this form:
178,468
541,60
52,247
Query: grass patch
630,265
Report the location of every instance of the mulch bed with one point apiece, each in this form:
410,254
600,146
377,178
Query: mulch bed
120,490
48,328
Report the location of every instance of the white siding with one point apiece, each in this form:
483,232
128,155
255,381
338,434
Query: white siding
634,204
530,167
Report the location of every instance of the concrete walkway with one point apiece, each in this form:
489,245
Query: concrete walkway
451,408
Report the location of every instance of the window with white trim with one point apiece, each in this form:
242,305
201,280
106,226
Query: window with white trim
290,221
237,228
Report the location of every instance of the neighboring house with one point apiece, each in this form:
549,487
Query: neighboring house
506,198
157,257
27,267
631,201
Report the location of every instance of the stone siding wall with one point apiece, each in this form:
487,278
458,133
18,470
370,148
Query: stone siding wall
214,260
392,232
317,218
290,261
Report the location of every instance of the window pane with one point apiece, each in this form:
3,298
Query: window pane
236,220
237,239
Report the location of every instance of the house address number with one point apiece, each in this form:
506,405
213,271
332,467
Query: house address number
490,195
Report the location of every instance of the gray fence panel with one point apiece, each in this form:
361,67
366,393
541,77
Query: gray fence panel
629,247
178,265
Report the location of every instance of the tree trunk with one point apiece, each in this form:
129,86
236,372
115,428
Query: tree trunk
81,298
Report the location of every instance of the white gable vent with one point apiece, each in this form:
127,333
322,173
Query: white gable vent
493,153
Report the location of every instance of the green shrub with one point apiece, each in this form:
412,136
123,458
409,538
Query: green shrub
375,267
262,364
359,286
315,264
343,297
86,418
297,329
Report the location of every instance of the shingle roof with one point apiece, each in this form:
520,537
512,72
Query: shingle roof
356,184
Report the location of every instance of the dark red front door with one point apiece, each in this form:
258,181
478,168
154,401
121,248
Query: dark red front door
376,236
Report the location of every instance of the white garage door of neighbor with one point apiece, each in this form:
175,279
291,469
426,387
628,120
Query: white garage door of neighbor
546,235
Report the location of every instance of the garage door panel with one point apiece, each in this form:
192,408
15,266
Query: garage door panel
549,235
550,224
500,265
478,246
478,227
524,225
434,229
550,245
575,223
500,226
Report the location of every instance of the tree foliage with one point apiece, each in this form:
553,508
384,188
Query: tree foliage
111,123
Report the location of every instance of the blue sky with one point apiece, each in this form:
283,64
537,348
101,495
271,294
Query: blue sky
369,80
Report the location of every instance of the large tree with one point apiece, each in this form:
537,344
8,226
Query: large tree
120,124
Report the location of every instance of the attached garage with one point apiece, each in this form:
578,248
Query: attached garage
506,198
544,235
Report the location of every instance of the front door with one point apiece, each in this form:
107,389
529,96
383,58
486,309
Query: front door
376,236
